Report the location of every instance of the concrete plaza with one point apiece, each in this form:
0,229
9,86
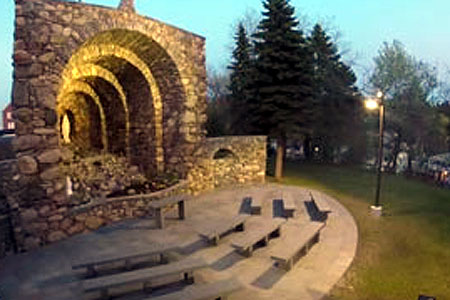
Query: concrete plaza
47,274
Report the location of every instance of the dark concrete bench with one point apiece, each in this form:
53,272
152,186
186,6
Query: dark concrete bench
215,290
321,204
159,205
296,242
92,263
185,267
216,232
262,233
289,206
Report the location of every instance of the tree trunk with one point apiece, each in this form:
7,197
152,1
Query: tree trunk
410,162
307,148
281,145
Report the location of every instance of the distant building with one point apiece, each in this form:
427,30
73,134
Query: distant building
8,122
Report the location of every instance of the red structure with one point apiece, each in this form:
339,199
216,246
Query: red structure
8,122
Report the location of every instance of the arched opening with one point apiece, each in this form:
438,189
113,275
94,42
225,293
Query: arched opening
224,154
139,96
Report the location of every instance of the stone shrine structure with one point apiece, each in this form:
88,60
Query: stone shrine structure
112,81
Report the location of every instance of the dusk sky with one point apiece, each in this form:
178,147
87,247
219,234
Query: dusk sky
422,26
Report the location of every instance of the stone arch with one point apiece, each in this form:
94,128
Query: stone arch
167,61
153,63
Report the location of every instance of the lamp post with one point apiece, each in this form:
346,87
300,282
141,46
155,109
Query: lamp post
372,104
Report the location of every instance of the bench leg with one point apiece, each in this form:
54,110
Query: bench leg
91,271
127,264
181,210
147,287
160,218
104,295
289,264
215,240
189,277
249,251
163,259
317,238
239,227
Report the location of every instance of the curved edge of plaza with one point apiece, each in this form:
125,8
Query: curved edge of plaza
47,273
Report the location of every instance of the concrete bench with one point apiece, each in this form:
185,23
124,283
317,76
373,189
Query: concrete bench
296,243
289,206
215,290
159,205
185,267
321,204
92,263
216,232
245,244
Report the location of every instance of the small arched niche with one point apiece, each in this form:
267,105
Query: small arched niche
224,154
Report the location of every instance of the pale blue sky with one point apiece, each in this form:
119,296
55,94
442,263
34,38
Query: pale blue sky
421,25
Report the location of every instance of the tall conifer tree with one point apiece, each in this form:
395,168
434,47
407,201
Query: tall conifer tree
241,92
283,80
335,94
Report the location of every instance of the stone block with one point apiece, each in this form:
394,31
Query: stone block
27,165
21,93
22,57
93,223
66,224
28,215
50,174
31,243
26,142
56,236
47,57
44,211
55,218
24,114
75,228
50,156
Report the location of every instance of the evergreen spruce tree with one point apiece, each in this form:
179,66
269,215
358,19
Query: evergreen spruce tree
335,95
241,82
283,80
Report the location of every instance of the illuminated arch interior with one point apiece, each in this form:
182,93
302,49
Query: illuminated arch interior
121,89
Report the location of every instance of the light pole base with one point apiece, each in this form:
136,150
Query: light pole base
376,211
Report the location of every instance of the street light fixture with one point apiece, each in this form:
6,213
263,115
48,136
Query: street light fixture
373,104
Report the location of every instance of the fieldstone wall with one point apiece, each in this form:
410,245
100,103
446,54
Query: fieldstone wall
227,161
134,86
8,206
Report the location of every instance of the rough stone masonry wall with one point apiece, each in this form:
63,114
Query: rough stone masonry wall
47,34
243,162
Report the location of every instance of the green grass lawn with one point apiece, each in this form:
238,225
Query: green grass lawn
401,255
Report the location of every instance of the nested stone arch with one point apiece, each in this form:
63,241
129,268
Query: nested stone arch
162,71
93,54
92,70
66,100
85,123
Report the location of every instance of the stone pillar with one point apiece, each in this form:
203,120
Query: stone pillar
127,5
